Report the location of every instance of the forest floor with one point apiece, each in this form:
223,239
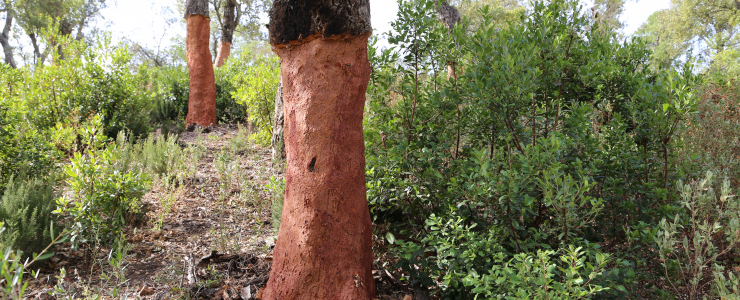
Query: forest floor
202,240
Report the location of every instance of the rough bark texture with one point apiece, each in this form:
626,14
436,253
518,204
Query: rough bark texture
222,55
294,22
229,23
40,58
324,247
449,16
4,39
196,7
202,101
277,141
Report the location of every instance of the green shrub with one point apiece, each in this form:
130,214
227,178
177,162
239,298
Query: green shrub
554,134
23,149
91,80
25,210
276,186
101,197
712,139
692,242
257,84
537,276
170,90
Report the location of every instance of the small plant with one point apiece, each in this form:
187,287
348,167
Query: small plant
276,186
536,276
12,269
25,209
162,157
693,241
167,201
100,197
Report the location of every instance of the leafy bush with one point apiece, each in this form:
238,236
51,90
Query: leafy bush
693,241
536,276
257,84
553,134
101,197
712,139
25,210
23,150
89,81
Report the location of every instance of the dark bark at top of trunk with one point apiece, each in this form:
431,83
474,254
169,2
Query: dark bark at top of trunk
230,22
196,7
294,20
4,40
36,50
448,14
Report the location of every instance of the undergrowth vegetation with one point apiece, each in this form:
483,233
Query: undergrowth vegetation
537,159
528,153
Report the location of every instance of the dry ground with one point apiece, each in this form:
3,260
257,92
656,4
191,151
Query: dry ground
210,238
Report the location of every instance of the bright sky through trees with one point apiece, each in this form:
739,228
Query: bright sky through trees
149,25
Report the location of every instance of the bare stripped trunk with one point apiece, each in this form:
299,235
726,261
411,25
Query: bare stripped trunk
277,141
324,247
4,40
224,50
231,19
202,101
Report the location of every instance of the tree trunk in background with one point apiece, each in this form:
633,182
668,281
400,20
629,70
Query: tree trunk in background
202,101
38,57
449,16
324,246
4,37
227,32
277,141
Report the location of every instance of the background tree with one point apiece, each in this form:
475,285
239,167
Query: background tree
228,24
5,33
202,101
34,16
707,29
324,246
608,12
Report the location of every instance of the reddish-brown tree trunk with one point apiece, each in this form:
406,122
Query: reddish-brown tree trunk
324,247
224,50
202,101
228,25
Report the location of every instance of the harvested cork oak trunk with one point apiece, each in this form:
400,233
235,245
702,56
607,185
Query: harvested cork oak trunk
202,101
229,22
324,246
224,50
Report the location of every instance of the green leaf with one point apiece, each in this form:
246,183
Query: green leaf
391,239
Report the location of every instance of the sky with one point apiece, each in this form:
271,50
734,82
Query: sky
142,21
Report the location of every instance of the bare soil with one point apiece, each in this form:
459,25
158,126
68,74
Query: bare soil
222,238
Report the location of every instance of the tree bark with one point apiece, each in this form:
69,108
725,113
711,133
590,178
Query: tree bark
324,246
449,16
277,141
229,23
202,98
4,39
40,58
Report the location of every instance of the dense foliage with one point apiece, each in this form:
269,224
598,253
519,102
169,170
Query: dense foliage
545,135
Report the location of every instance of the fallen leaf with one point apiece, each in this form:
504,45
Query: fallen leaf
146,291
